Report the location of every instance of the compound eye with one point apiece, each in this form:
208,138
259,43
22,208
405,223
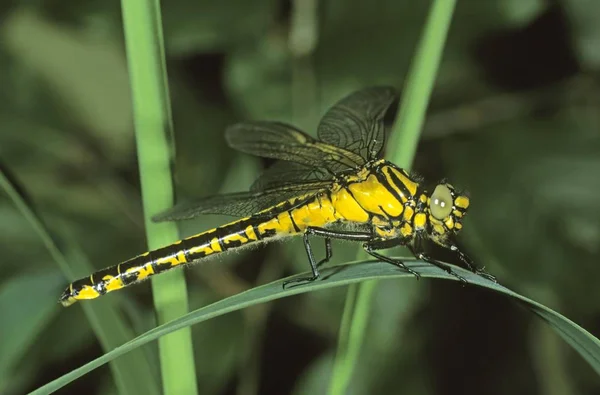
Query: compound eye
440,203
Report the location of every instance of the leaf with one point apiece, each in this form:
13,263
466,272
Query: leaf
584,342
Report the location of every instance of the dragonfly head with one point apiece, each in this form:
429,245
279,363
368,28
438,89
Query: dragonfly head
447,208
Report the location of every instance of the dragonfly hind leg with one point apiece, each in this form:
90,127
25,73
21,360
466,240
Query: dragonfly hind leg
314,266
328,235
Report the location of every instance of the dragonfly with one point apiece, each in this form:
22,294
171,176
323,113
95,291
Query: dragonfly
336,186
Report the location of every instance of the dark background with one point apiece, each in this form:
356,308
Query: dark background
513,119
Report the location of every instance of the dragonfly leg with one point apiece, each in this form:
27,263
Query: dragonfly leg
424,257
328,252
340,235
396,262
328,235
311,259
471,265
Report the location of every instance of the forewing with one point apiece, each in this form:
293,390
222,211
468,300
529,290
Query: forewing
240,204
357,123
281,141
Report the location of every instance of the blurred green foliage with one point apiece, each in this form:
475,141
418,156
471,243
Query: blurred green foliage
514,120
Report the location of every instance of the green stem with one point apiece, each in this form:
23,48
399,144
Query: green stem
153,128
419,84
402,146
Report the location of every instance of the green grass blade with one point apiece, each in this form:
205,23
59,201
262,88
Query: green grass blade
354,324
153,127
419,84
583,342
132,374
402,148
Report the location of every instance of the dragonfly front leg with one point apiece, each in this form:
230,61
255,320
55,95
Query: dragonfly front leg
419,254
328,235
471,265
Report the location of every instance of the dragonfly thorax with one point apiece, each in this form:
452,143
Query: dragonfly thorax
397,206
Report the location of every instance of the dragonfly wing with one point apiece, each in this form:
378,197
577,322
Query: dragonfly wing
285,142
283,174
352,133
240,204
358,121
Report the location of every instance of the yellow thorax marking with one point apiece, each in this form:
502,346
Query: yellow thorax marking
420,220
408,183
406,230
408,213
372,195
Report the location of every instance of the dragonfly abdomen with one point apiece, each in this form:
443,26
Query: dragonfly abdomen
186,251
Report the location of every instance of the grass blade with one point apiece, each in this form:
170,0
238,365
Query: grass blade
402,148
153,127
419,84
133,374
583,342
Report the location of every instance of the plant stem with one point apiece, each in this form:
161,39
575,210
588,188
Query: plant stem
419,84
402,147
153,129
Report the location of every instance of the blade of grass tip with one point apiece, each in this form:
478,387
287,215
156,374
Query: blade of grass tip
153,129
133,373
403,145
